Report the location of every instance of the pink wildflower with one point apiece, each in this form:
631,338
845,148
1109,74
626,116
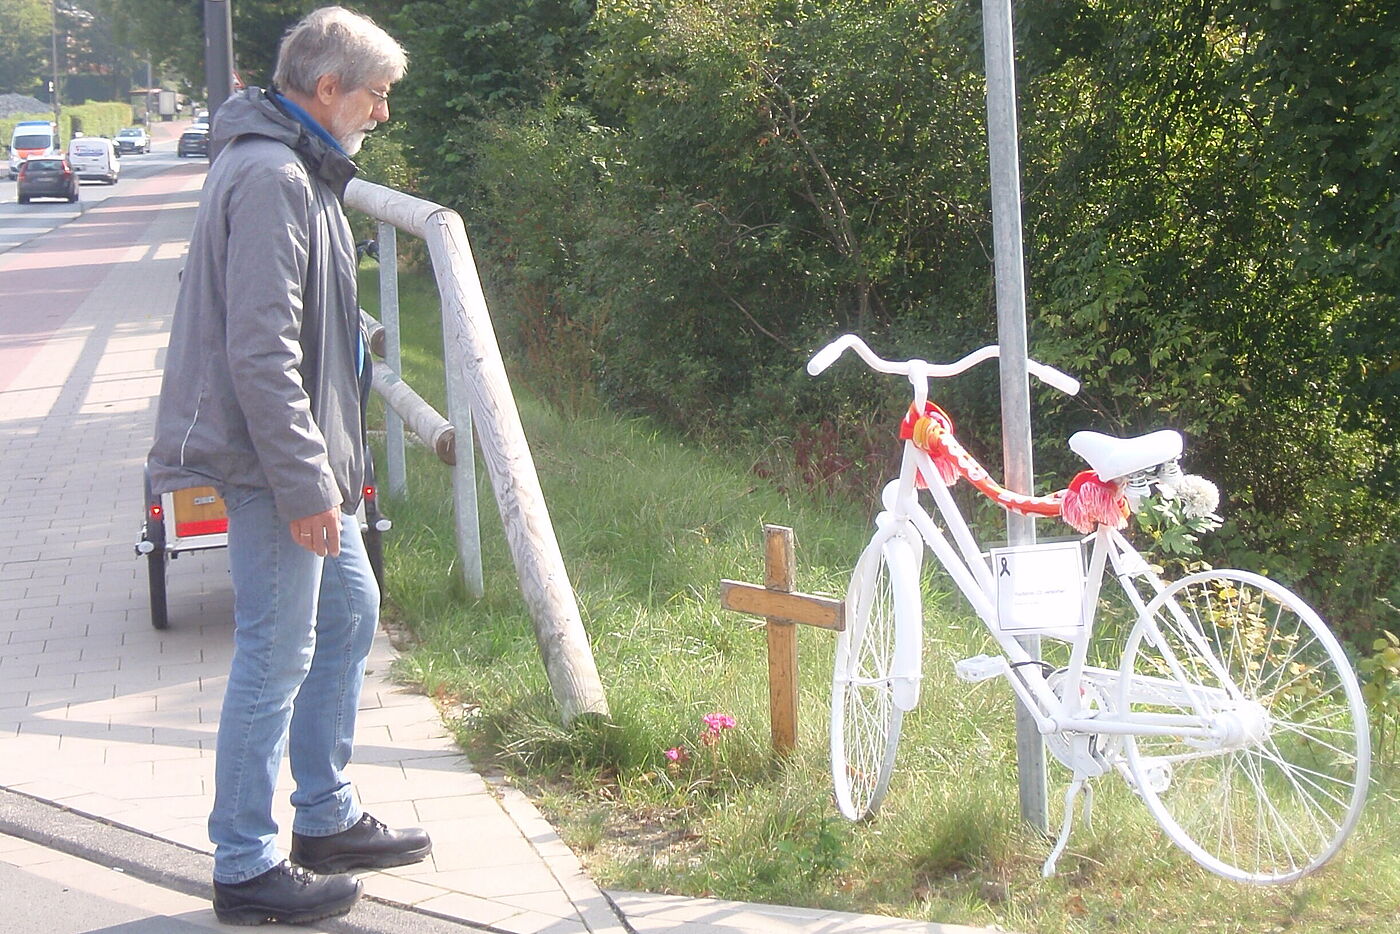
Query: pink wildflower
716,722
676,754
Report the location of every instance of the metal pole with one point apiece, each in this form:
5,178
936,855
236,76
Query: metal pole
57,89
218,57
459,413
1011,334
389,314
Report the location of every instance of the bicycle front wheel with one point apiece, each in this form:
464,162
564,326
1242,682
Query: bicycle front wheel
865,721
1278,784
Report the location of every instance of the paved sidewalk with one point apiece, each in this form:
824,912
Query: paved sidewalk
106,717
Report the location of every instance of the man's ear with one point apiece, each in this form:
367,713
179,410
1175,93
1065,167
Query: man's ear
327,87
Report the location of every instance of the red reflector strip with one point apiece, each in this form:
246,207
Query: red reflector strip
202,527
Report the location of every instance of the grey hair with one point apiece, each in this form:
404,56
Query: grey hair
336,41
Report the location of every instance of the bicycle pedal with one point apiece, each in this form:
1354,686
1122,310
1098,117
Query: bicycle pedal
980,668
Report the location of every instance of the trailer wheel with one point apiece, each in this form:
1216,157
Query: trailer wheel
374,549
156,568
153,535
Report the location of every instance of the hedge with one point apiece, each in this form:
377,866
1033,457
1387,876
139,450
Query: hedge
93,118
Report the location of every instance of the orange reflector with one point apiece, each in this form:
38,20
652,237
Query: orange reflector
201,527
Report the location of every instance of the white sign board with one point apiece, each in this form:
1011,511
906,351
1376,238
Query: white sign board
1040,589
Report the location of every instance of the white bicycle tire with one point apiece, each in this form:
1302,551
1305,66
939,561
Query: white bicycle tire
1284,660
865,721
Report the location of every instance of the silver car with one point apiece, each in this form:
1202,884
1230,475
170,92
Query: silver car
133,139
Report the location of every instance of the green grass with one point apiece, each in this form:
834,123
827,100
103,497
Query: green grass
648,524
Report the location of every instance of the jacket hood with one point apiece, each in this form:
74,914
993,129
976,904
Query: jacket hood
251,112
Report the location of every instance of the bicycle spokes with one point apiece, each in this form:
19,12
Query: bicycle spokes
1267,773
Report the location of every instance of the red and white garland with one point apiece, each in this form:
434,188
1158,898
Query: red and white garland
1087,503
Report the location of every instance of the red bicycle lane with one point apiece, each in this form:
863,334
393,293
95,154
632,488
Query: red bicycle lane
44,281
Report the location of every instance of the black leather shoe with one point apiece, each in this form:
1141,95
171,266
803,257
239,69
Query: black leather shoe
285,893
367,845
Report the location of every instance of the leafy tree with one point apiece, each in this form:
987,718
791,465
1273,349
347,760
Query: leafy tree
1324,77
678,199
1176,265
168,33
171,33
24,45
96,66
471,58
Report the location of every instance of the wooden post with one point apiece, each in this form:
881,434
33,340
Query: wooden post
779,553
783,610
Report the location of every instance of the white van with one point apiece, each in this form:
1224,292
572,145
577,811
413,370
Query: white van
32,138
95,157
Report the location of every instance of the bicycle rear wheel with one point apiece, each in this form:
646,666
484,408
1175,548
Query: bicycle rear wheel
1274,793
865,721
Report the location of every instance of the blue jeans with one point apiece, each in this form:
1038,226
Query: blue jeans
302,630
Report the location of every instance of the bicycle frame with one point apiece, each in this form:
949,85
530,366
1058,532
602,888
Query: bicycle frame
971,573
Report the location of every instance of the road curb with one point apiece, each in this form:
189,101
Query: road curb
183,869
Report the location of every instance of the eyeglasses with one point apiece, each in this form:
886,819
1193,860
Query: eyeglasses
383,96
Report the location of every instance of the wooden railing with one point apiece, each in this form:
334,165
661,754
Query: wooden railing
479,396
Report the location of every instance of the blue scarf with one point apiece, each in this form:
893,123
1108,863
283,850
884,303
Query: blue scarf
305,119
308,121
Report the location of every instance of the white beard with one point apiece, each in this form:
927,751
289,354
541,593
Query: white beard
352,143
351,140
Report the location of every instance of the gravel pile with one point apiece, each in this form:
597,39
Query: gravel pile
11,104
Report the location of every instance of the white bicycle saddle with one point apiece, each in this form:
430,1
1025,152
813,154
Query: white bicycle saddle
1113,457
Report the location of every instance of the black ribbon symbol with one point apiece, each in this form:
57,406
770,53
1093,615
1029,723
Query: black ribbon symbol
1005,571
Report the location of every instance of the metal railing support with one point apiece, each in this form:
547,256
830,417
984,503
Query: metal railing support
477,385
388,238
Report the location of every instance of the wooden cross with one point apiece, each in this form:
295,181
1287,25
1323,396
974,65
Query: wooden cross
782,608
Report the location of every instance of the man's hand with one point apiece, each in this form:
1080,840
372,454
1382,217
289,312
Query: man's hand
319,534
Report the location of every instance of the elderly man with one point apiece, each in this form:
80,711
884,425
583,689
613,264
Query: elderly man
263,397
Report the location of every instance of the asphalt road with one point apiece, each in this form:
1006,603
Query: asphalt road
38,904
20,223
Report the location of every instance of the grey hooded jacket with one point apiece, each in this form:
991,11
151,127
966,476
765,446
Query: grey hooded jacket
261,385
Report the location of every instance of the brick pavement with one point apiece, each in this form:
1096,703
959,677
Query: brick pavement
104,714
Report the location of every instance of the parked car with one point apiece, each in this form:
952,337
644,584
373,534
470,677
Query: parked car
46,177
95,157
133,139
193,142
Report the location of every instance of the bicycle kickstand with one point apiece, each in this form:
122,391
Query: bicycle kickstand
1076,787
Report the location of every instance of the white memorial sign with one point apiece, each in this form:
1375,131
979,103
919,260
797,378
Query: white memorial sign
1040,589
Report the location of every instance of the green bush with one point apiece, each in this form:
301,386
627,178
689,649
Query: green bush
92,119
675,203
95,118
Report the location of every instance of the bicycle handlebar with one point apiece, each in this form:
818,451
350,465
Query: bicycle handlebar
827,356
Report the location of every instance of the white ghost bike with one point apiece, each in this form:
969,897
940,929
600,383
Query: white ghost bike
1233,713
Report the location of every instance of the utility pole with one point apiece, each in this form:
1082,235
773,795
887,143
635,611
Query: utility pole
1003,145
53,61
218,57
